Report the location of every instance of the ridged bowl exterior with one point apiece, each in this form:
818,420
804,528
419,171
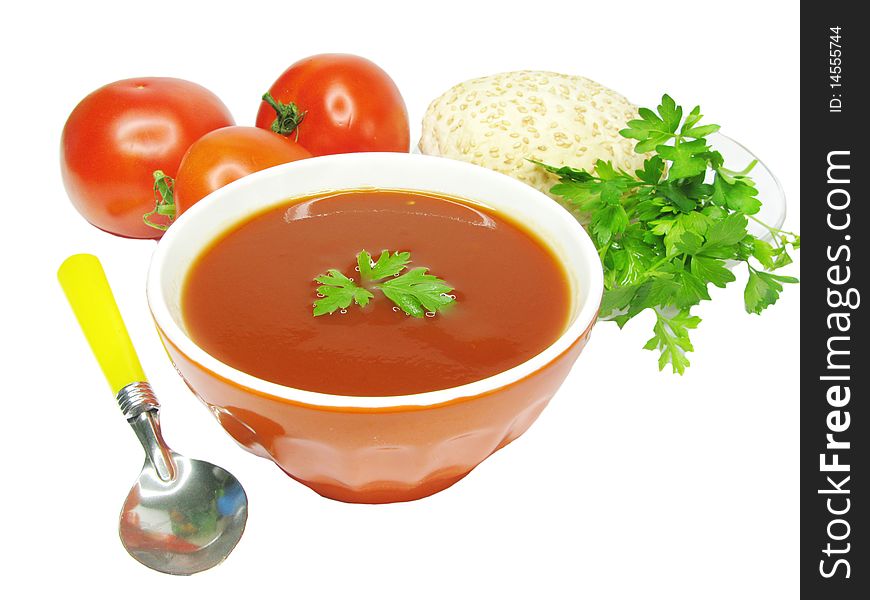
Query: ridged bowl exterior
378,455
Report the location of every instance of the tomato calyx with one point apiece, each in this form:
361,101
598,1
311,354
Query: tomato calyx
164,200
288,117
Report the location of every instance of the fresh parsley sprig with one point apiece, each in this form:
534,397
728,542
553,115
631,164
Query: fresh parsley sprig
415,292
666,232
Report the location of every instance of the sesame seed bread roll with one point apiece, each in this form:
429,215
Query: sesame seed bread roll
501,120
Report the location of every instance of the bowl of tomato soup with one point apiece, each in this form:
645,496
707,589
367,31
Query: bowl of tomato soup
377,398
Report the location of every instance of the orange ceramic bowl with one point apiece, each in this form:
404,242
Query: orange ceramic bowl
374,449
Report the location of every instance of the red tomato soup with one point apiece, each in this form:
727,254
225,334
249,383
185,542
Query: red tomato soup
248,298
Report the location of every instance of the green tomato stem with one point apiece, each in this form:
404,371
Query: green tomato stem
288,117
164,200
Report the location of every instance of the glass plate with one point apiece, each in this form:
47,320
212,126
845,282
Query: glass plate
770,192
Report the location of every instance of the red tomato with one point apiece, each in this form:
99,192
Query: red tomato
227,154
349,104
120,134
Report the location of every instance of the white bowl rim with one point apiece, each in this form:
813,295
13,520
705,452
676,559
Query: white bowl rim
178,337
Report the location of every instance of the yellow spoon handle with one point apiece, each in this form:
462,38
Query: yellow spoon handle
83,280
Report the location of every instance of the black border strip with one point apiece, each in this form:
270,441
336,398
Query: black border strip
835,562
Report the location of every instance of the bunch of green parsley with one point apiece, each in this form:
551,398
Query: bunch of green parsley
666,232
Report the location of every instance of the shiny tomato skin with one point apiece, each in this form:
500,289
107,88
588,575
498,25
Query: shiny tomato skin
227,154
120,134
350,105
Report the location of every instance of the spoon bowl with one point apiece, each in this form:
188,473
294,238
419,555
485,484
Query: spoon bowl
187,524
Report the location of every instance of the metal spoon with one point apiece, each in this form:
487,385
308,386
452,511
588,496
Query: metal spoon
182,515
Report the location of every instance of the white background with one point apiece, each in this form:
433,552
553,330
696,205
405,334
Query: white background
633,483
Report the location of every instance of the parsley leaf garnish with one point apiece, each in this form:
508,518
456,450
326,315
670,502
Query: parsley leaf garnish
416,292
387,265
338,292
666,232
